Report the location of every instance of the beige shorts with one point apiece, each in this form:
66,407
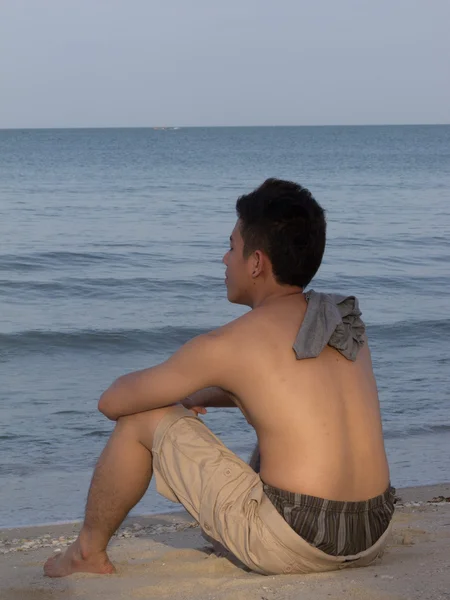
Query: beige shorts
193,467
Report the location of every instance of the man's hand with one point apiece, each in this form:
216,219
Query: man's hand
191,404
201,400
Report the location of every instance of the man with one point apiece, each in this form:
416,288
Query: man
298,366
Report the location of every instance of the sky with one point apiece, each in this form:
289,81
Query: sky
132,63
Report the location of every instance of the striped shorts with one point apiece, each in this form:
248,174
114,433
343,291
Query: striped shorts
336,528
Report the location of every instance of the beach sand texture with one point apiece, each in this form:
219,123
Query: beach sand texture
166,557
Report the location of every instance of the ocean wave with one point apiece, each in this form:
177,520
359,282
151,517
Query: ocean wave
69,412
415,430
43,260
108,287
144,256
168,338
112,340
402,331
193,289
97,434
377,285
135,338
18,470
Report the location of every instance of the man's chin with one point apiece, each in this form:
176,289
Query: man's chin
230,297
235,299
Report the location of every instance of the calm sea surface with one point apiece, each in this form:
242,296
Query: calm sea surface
110,258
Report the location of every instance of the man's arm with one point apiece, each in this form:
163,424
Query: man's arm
199,364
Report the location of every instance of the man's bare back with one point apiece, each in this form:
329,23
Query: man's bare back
317,420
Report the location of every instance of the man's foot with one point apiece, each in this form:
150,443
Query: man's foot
74,561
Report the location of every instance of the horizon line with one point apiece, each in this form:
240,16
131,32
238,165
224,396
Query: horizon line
161,127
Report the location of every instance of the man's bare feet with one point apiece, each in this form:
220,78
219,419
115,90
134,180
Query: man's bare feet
74,561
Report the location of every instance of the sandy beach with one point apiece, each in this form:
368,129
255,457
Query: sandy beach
165,557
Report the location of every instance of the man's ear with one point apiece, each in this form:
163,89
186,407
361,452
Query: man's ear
258,263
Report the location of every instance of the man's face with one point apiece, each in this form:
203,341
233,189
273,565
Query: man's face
236,274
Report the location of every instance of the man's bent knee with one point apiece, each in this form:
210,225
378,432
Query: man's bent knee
144,424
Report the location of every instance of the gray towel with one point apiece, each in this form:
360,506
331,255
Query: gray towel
330,319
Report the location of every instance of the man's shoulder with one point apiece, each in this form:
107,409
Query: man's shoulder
239,326
234,338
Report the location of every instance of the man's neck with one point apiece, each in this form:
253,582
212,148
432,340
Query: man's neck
267,297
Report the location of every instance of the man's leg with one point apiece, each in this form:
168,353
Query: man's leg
120,479
255,463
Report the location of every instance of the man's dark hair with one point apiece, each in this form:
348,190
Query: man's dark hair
282,219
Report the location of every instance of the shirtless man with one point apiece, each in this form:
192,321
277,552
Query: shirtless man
298,366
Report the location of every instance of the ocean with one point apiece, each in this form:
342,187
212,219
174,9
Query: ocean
111,243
